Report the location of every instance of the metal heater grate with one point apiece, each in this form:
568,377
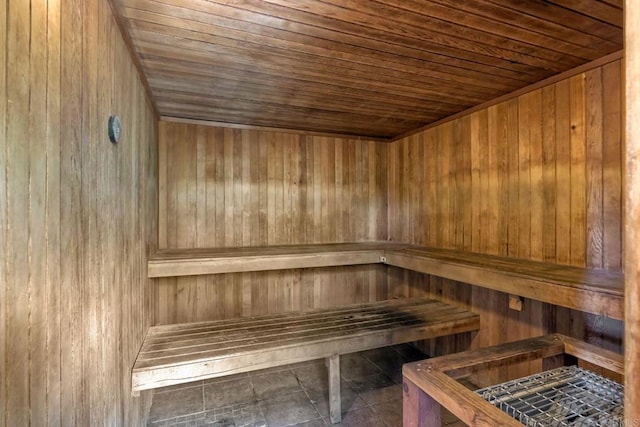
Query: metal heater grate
566,396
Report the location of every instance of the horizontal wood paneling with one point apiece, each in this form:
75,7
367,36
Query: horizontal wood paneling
373,68
536,177
78,217
224,187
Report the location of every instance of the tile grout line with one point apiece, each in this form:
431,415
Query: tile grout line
255,397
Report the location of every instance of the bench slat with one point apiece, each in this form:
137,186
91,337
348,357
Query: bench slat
180,329
272,342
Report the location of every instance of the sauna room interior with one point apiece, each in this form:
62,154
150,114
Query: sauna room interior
200,191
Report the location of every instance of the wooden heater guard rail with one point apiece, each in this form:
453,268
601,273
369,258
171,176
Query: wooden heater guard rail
175,354
431,384
593,291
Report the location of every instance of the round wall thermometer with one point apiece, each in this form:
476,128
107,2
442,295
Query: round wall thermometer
114,129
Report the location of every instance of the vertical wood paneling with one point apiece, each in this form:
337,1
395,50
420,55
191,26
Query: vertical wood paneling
594,168
612,149
544,184
52,215
3,209
563,173
631,169
578,171
549,176
248,188
77,217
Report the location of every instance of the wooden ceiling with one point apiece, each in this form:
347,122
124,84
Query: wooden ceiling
362,67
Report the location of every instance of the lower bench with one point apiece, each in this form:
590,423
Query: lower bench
175,354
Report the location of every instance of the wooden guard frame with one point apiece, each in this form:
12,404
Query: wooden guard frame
431,384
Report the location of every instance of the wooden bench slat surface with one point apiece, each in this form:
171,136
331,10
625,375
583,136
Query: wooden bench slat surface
275,336
273,343
605,281
178,329
594,291
282,340
308,326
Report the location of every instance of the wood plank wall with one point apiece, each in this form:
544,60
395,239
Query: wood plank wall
632,213
222,187
77,216
535,177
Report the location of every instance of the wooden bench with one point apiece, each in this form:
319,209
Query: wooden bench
189,262
174,354
593,291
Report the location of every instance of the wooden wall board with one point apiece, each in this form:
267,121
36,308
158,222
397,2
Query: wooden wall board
79,218
631,178
3,208
224,296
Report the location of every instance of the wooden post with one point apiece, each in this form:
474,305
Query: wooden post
335,405
418,408
632,214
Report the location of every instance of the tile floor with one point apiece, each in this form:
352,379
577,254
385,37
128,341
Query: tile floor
294,395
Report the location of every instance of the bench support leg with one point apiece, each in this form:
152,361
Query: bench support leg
418,408
335,406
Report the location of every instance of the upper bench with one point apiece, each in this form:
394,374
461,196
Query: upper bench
594,291
190,262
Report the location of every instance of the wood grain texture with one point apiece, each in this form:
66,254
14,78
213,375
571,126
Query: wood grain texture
590,290
175,354
78,217
631,168
226,187
360,68
3,210
538,167
191,262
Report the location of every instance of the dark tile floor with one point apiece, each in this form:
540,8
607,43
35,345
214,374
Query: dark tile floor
294,395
